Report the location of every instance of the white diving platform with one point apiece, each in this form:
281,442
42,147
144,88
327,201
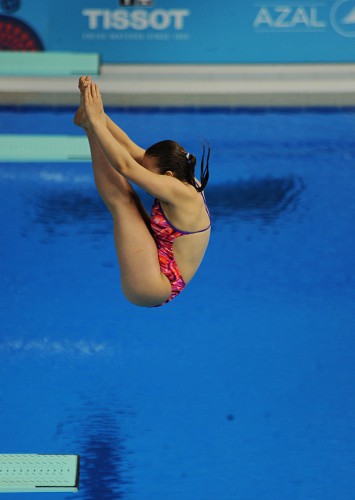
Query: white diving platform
39,473
194,85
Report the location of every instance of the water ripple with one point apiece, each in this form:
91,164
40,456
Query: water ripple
105,473
59,347
263,199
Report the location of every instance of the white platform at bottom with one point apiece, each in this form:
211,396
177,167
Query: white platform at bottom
39,473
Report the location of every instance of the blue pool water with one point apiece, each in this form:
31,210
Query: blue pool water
243,386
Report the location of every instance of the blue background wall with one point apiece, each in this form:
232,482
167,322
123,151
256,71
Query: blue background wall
199,31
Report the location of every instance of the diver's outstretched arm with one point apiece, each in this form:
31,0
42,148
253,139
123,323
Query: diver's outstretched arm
134,150
164,187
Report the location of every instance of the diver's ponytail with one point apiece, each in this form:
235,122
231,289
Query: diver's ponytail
204,169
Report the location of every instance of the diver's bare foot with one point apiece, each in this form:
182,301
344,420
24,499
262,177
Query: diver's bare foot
80,116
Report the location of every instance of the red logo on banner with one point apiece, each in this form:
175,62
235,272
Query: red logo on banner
17,35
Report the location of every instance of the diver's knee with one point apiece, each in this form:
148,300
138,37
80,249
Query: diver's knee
116,200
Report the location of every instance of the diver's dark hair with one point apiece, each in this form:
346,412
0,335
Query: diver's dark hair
169,155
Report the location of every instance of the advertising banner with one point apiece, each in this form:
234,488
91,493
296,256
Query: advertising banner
184,31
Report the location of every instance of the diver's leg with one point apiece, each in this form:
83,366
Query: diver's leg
143,283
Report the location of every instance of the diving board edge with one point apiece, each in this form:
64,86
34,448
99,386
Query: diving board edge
43,148
13,63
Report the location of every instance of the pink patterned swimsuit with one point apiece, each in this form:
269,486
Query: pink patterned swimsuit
165,234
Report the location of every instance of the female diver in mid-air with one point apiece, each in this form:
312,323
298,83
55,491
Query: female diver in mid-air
156,259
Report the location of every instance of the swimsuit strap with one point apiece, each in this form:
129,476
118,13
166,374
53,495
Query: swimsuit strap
187,232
